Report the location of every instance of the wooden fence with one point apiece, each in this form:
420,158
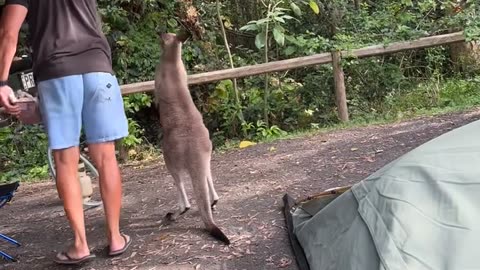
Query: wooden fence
317,59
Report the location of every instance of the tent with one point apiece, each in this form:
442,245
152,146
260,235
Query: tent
420,211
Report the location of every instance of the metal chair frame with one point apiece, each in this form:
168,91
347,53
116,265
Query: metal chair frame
6,194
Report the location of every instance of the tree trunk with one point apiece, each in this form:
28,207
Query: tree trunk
357,4
464,56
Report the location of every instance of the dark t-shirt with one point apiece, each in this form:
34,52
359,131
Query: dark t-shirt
66,38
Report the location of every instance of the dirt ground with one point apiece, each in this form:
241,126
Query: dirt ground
250,182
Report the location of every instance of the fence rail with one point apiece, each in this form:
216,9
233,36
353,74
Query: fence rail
306,61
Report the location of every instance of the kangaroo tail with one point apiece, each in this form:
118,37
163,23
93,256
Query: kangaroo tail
219,235
200,186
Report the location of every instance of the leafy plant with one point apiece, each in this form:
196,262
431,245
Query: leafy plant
275,17
260,131
133,104
265,132
23,153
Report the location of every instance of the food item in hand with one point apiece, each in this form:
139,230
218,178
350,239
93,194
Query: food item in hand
29,111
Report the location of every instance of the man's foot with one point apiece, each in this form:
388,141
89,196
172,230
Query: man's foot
64,258
127,241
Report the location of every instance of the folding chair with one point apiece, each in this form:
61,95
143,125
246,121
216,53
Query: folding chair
6,194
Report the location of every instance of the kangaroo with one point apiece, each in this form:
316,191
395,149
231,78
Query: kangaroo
186,144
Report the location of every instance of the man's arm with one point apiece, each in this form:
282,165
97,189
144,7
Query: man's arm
13,16
12,19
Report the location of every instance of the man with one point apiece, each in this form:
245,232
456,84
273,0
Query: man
76,87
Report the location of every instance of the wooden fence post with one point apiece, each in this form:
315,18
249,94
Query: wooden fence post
340,93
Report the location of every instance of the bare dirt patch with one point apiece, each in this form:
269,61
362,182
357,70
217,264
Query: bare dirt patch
250,182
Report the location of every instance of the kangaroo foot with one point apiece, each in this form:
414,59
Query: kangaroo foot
172,216
184,211
213,204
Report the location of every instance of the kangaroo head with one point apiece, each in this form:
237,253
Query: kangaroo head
172,39
168,40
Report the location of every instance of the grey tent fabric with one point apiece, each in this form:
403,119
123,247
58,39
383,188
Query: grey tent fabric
421,211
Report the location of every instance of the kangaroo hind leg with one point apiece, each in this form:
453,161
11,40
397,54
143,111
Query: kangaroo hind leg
183,203
213,194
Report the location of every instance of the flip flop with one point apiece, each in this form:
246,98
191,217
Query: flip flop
72,261
121,251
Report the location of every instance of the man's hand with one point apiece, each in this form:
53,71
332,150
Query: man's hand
11,20
7,98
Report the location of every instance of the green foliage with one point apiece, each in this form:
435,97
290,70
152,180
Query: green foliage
434,93
459,93
133,104
287,110
273,22
23,152
472,24
261,131
387,87
306,44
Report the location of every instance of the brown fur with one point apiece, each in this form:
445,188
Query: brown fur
186,144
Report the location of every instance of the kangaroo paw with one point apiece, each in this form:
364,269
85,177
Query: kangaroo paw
172,216
184,211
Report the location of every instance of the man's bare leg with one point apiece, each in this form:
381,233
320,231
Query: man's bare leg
103,156
68,186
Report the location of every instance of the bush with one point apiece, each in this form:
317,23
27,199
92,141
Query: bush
23,153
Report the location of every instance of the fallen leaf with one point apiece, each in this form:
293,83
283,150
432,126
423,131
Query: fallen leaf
245,144
284,262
